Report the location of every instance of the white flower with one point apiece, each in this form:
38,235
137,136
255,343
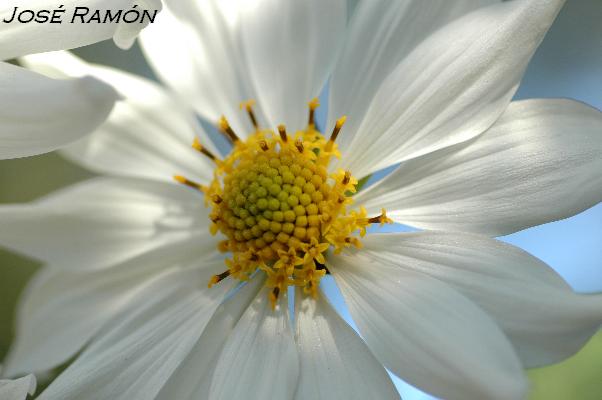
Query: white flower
17,389
38,114
456,314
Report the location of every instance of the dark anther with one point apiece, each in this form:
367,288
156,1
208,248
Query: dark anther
282,132
347,177
320,266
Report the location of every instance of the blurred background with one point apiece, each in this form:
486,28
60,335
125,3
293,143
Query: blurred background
568,64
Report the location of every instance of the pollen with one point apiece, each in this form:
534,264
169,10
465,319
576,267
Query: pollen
278,207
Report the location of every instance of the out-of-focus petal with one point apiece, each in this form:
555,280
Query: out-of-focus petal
135,356
39,114
195,48
61,311
105,221
17,389
149,134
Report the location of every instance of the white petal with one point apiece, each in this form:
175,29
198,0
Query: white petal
453,86
38,114
148,135
259,360
17,389
539,162
105,221
335,362
19,38
544,319
134,359
380,35
427,333
194,48
290,47
192,379
62,310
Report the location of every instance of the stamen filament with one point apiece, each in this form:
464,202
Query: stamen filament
218,278
313,104
201,149
335,132
248,105
188,182
224,127
299,145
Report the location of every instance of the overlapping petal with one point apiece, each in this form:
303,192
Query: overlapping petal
148,135
539,162
62,310
260,355
452,87
335,361
544,319
290,48
381,34
192,379
105,221
19,38
38,114
135,357
427,332
17,389
209,74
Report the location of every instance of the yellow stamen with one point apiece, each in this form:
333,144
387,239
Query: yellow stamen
279,208
215,279
313,105
224,127
196,144
188,182
248,106
381,219
335,132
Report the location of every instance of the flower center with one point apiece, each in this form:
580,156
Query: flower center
279,208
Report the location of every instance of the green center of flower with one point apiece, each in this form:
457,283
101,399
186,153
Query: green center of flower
272,201
279,208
